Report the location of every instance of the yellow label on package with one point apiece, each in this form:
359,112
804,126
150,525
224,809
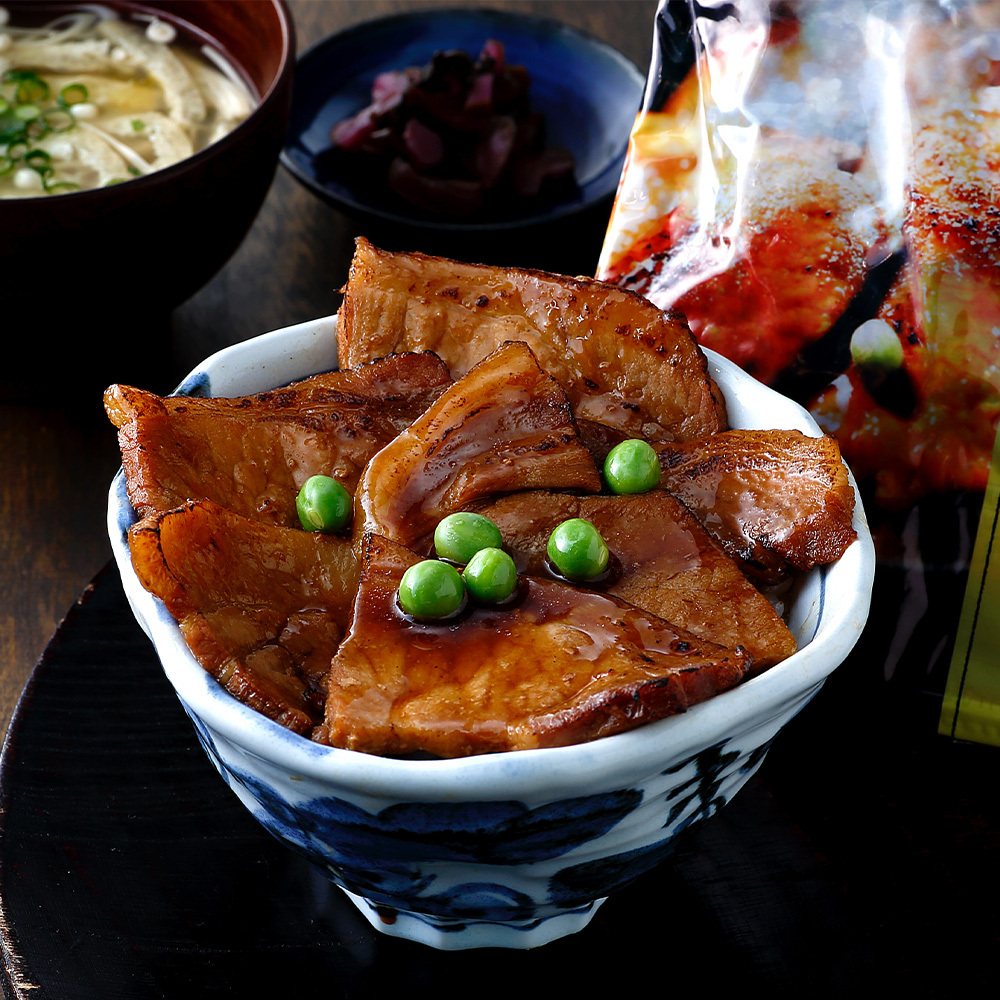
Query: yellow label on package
971,706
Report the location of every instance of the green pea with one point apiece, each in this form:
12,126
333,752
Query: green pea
431,589
632,467
323,504
458,537
577,550
875,344
491,576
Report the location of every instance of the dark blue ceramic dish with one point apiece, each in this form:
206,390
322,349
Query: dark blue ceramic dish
588,92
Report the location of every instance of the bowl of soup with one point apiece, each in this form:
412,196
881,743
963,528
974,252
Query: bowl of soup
137,143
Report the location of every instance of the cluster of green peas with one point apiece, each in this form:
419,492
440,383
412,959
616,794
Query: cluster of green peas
434,588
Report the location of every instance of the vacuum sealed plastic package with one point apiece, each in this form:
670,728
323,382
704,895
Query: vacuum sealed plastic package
816,186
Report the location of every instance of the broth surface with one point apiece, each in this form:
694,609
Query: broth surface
89,100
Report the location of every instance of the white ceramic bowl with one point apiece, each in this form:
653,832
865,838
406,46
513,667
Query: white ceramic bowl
510,849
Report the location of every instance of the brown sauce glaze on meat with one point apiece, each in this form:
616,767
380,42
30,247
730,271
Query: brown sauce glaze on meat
505,426
289,622
666,563
252,453
558,665
263,608
622,361
774,500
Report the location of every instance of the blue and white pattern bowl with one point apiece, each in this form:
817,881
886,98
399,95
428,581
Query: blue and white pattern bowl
510,849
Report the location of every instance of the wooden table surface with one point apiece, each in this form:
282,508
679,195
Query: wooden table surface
888,842
58,453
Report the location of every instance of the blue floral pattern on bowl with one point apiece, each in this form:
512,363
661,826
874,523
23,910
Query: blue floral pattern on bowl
450,866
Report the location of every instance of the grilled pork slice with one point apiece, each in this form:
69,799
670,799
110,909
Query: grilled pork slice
783,258
262,607
928,424
252,453
558,665
773,499
622,361
662,560
505,426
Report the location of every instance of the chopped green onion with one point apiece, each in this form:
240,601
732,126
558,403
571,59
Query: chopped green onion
138,124
23,121
11,127
38,159
31,90
36,128
58,119
73,93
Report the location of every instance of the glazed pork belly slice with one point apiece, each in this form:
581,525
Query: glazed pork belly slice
556,666
794,257
662,560
262,607
622,361
775,500
252,453
504,426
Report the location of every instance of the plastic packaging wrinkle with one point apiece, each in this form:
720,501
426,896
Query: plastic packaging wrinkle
815,186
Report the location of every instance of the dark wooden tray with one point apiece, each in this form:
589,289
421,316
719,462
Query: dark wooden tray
864,852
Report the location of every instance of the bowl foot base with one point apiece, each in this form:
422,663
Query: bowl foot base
455,935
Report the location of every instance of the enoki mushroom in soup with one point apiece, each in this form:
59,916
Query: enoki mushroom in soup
89,99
